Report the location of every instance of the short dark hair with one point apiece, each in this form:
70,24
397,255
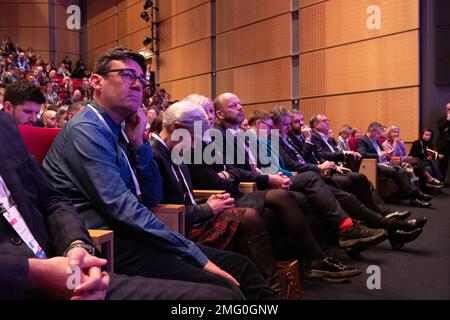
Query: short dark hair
426,130
76,106
103,63
375,126
21,91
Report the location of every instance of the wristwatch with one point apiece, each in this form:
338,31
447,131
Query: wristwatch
87,247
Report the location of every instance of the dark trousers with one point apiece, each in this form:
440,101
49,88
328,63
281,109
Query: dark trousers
320,196
137,259
358,185
357,210
401,178
140,288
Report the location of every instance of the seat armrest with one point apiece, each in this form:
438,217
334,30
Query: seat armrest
104,242
247,187
173,215
205,194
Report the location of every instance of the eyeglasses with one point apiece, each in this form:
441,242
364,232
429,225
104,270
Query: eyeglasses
326,120
129,76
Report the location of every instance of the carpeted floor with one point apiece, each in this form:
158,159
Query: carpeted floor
420,270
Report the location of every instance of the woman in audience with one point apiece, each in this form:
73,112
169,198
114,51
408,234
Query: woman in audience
423,149
399,155
276,207
51,96
356,135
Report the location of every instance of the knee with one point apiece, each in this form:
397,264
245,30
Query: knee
251,217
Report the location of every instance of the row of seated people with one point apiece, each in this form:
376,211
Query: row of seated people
113,176
422,155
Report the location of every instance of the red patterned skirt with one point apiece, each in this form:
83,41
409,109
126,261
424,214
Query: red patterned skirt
219,230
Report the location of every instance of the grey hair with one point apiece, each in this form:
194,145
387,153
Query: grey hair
184,114
199,99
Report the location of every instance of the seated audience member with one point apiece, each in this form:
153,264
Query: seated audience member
51,96
61,117
331,138
49,119
399,232
424,150
23,102
75,108
444,140
109,174
344,135
369,147
58,240
151,116
244,125
352,141
76,96
22,63
397,148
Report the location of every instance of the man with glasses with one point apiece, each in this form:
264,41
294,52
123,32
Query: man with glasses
102,163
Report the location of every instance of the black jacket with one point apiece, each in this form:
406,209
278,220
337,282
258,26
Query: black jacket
173,190
51,218
365,147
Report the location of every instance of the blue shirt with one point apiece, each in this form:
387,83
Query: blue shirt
87,164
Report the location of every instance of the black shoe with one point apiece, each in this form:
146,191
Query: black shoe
435,183
410,225
398,238
359,237
424,197
330,269
398,215
419,203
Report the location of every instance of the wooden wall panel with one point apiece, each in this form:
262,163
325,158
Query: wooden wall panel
182,88
102,33
304,3
232,14
398,107
253,43
124,4
129,21
331,23
250,108
67,43
99,10
28,14
386,62
186,61
134,40
258,83
169,8
93,54
186,27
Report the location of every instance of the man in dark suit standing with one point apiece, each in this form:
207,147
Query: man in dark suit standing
42,238
369,147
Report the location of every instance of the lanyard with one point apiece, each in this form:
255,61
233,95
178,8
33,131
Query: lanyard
299,157
133,175
9,210
155,136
